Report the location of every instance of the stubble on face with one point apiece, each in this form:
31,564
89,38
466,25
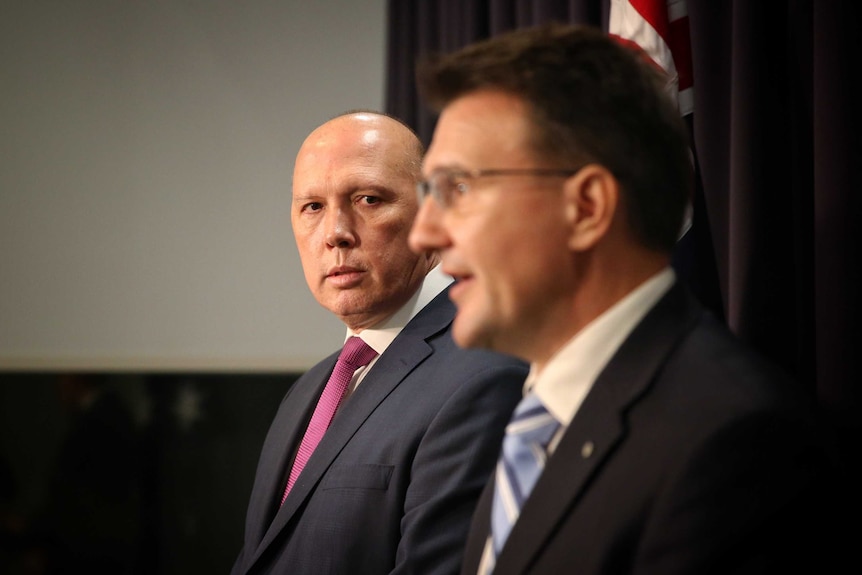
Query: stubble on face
353,204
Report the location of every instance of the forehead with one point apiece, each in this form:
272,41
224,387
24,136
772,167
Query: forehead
350,148
341,141
481,130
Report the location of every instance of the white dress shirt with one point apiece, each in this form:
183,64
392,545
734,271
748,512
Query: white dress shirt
380,336
570,374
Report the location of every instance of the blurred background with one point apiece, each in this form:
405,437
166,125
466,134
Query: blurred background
128,473
152,308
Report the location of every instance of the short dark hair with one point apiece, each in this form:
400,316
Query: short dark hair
591,99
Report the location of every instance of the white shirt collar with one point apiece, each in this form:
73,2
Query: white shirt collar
571,372
381,335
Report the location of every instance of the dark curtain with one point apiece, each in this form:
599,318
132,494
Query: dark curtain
775,243
421,27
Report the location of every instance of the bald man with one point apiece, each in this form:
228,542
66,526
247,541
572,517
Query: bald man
392,484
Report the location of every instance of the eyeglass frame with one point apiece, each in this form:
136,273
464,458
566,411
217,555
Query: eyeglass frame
426,188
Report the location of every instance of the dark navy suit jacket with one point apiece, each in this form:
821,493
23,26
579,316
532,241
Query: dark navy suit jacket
689,455
392,485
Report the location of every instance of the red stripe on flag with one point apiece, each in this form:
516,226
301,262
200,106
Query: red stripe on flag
654,12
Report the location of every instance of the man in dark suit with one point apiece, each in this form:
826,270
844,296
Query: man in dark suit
650,440
392,484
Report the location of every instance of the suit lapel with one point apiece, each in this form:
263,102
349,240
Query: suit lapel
598,428
407,351
287,429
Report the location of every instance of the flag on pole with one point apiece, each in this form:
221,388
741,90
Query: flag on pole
660,29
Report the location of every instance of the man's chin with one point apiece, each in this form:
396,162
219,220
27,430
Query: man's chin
467,334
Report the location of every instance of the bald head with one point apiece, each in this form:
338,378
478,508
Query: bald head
376,133
354,202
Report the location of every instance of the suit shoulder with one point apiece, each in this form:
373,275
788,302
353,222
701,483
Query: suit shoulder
446,351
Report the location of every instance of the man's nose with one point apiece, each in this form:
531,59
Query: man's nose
427,233
340,232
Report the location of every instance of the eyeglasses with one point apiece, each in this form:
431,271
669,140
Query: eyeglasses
446,186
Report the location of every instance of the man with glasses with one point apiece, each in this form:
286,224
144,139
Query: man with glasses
649,440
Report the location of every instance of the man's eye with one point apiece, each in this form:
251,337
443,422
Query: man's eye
312,207
369,200
456,188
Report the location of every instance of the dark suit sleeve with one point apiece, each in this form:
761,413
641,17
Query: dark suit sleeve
745,502
453,462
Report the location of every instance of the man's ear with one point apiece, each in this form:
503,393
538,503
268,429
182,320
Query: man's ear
591,197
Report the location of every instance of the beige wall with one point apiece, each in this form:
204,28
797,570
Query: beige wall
146,152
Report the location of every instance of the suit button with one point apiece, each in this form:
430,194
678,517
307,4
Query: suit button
587,449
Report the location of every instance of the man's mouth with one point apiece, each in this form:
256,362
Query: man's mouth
344,276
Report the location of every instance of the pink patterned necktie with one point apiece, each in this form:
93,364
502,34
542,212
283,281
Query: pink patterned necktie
355,354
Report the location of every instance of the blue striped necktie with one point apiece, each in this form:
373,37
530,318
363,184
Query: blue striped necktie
520,465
